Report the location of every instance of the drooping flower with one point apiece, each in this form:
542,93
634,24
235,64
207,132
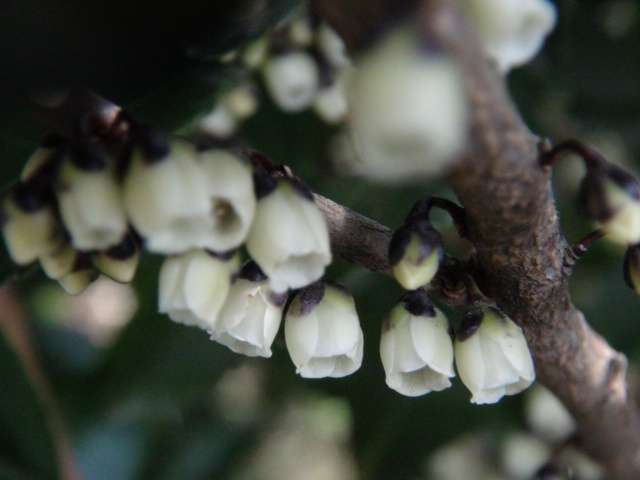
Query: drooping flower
330,103
415,253
631,267
323,332
251,315
29,223
60,260
119,262
166,194
492,355
416,347
89,198
292,80
194,286
512,31
232,197
407,109
610,196
80,277
289,238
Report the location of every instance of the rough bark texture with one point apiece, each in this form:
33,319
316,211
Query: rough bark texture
513,224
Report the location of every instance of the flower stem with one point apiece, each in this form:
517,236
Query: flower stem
591,157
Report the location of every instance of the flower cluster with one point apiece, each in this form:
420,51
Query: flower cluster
301,64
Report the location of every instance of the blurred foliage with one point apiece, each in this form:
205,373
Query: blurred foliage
163,402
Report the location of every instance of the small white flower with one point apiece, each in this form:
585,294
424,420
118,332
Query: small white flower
492,355
332,47
292,80
29,224
415,253
512,31
330,103
120,262
89,199
323,332
59,261
194,286
289,238
82,275
546,416
407,109
251,315
416,347
241,101
166,195
232,197
256,53
220,122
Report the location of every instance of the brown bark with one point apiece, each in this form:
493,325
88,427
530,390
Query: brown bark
513,224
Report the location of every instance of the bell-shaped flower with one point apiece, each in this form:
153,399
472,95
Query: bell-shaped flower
610,196
241,101
251,315
61,260
220,123
289,238
631,267
512,31
292,80
80,277
407,109
194,286
29,223
415,253
492,355
330,103
416,347
89,198
120,262
166,194
323,332
232,196
332,47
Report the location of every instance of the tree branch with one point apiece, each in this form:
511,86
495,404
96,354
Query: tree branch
513,224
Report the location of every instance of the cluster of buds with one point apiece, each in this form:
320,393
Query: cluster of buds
301,64
418,344
610,197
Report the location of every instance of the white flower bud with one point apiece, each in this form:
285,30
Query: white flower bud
523,455
323,332
256,53
82,275
408,109
89,199
289,238
492,355
251,315
611,197
292,80
330,103
194,285
512,31
220,122
241,101
332,47
49,149
415,253
232,196
59,261
29,224
546,416
416,347
119,262
166,195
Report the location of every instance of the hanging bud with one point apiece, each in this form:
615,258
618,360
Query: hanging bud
415,253
332,47
255,54
323,332
232,196
120,262
416,347
194,286
512,31
330,103
251,315
292,80
81,276
29,223
60,261
632,267
610,196
407,109
241,101
166,194
492,355
219,123
89,198
289,238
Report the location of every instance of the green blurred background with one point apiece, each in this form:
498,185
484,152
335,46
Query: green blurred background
144,398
